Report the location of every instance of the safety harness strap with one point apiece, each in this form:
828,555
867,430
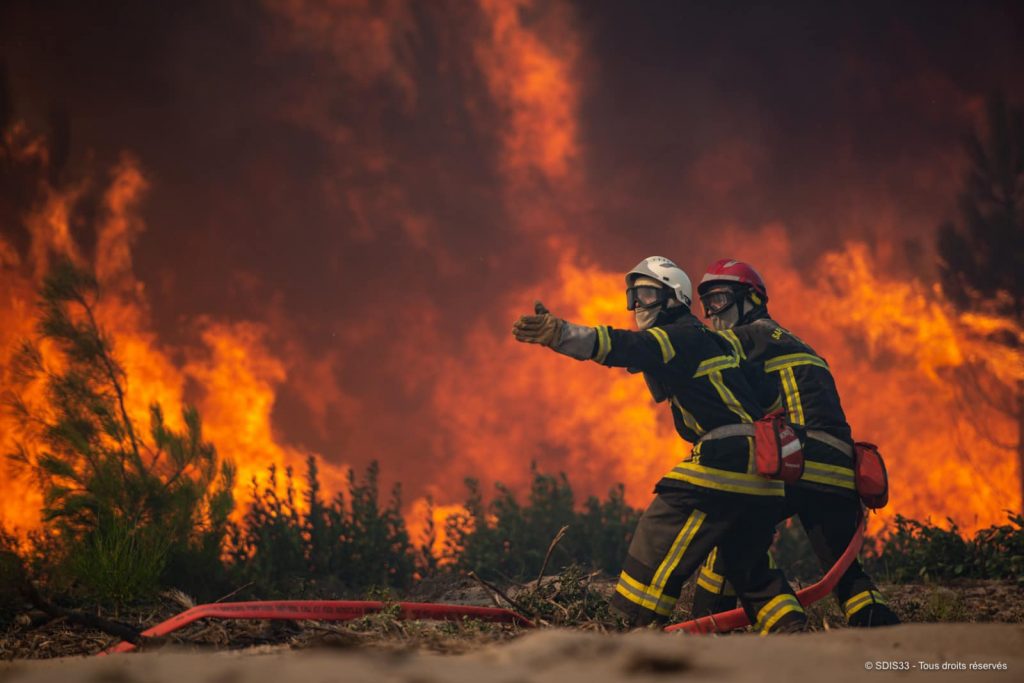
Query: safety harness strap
836,443
726,431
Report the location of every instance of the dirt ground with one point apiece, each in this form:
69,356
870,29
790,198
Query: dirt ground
36,637
568,656
965,630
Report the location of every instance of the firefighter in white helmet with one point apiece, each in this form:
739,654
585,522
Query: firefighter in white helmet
712,497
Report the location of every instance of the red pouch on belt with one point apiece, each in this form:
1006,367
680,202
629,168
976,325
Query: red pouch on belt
779,454
870,476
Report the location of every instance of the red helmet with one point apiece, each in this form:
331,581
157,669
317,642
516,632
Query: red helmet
731,271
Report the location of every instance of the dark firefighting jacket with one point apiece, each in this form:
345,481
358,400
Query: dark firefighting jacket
781,366
700,374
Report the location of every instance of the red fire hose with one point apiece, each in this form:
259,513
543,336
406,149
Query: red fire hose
737,618
345,610
322,610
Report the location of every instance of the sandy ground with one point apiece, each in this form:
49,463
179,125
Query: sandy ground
571,656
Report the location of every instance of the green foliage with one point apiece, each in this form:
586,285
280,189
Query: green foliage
122,501
381,553
921,551
999,550
119,562
425,560
505,539
12,577
607,527
329,547
269,545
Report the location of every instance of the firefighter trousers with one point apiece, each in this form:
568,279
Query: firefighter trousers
830,521
674,535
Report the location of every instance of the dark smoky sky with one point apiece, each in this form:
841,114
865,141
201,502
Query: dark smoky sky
357,208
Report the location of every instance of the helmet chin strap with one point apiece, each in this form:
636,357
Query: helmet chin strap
744,311
754,307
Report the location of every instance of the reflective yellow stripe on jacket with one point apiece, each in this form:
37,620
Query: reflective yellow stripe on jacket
792,360
604,343
716,364
661,336
831,475
731,337
729,398
787,379
724,480
712,369
791,390
688,419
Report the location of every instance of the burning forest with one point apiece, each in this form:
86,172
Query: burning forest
313,223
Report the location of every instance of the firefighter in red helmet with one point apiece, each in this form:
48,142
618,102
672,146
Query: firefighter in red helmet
711,498
786,371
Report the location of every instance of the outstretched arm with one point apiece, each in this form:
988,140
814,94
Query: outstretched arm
646,350
575,341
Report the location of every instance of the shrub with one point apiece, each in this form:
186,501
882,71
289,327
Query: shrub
999,550
12,577
920,550
505,539
123,502
607,527
337,546
119,562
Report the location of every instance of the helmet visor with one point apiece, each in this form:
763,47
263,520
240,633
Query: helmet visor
717,301
645,296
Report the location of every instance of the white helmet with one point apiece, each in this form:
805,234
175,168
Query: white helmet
665,272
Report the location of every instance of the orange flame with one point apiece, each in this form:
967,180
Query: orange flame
892,346
896,349
238,374
531,80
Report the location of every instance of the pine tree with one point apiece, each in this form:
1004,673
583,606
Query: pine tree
982,258
125,501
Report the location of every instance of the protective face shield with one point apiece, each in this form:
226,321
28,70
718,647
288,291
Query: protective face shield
646,297
722,306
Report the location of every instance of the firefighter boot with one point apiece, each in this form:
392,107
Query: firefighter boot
875,614
794,622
